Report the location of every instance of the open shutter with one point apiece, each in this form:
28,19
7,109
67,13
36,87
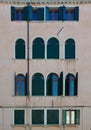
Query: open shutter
15,87
12,13
49,86
76,85
27,13
64,11
47,13
41,14
60,84
67,86
60,13
30,13
77,117
26,85
64,117
77,13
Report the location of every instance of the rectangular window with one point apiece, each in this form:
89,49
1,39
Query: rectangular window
19,117
38,117
69,14
71,117
53,117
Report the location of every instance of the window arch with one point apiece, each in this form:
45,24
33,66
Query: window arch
38,49
20,49
38,85
53,48
71,86
20,87
70,49
52,84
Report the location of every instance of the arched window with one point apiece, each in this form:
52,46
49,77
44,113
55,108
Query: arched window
38,49
52,84
20,49
71,85
70,49
38,85
20,89
53,48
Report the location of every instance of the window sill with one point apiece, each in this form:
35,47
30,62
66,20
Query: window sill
17,125
70,125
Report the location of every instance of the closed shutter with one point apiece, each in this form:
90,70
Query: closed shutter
12,13
47,13
19,116
60,13
77,13
64,117
77,117
60,84
41,14
49,86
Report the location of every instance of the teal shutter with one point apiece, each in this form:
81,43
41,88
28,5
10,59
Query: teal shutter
53,117
64,117
49,85
19,117
13,13
77,117
40,14
64,11
26,85
47,13
60,84
77,13
38,85
37,116
27,13
15,85
60,13
67,86
76,84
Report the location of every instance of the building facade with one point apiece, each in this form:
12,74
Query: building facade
45,65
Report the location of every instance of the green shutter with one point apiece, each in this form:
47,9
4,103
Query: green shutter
38,85
77,117
64,11
12,13
67,85
19,116
41,14
47,13
49,85
53,117
60,84
77,13
64,117
60,13
37,116
26,85
76,84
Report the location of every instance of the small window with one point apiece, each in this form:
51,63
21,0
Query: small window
53,117
38,49
38,85
53,48
20,88
70,49
37,117
69,14
71,117
20,49
19,117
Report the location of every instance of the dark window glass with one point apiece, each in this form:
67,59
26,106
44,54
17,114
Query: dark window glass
37,116
70,49
52,84
20,49
38,49
38,85
19,116
20,85
52,116
35,15
53,49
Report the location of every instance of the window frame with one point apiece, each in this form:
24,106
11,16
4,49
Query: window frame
14,117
